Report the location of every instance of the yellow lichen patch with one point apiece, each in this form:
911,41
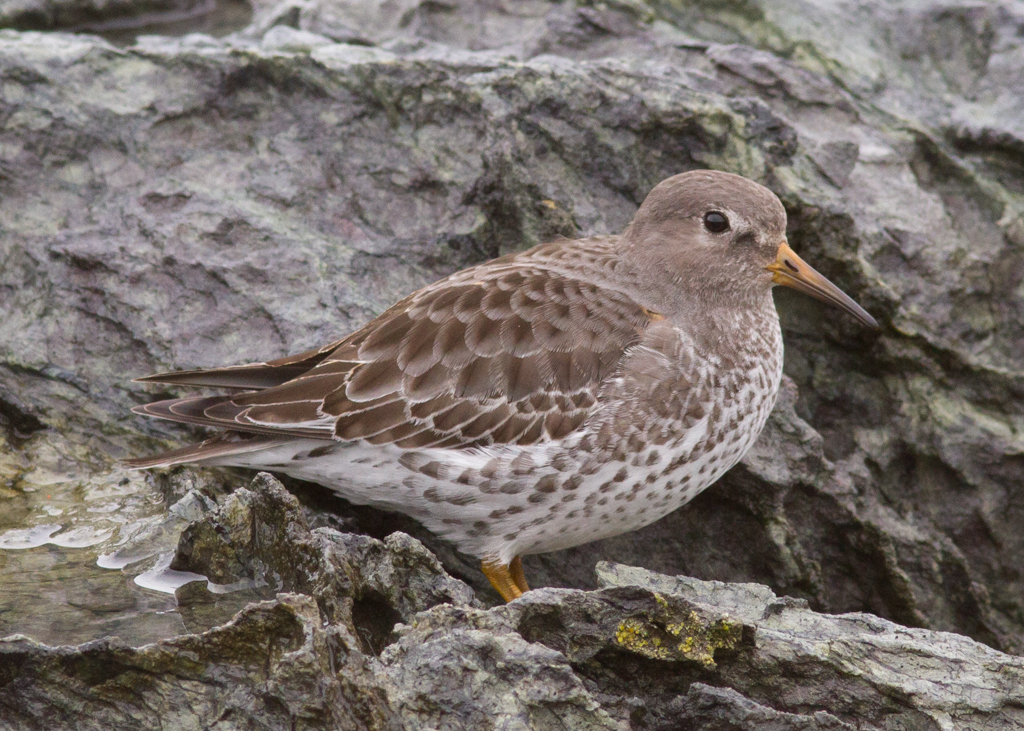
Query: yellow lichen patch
636,636
699,640
687,637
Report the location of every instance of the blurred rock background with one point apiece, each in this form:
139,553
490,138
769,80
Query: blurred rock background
174,202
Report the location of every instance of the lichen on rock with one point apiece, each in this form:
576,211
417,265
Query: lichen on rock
681,636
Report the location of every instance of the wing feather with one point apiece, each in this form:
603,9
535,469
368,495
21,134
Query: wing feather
227,444
194,411
248,376
513,351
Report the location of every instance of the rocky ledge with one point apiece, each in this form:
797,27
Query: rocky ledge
367,634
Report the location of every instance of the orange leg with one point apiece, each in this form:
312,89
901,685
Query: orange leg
516,569
504,580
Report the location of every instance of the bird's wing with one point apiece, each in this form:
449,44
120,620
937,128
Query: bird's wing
506,353
248,376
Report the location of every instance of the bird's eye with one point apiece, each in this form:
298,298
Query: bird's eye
716,222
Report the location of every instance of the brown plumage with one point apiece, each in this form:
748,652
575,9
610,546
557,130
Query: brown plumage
507,352
471,402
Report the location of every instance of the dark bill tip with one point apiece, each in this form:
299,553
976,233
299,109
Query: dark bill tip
792,271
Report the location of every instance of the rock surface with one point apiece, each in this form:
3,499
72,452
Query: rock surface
193,202
382,638
94,14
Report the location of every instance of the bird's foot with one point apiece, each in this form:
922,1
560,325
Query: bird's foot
508,580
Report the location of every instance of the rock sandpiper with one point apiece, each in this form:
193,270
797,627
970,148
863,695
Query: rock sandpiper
564,394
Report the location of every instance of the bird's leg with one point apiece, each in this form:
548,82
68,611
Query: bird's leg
516,569
501,579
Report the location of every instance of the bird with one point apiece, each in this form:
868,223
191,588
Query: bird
571,392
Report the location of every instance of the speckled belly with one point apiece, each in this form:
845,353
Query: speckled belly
624,495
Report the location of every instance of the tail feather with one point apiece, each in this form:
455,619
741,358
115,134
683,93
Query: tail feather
258,376
255,376
243,435
219,447
194,410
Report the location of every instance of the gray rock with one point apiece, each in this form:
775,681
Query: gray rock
647,651
258,539
274,666
193,202
723,709
94,14
523,30
284,38
865,670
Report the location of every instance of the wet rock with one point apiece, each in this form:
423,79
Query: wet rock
259,539
647,651
274,666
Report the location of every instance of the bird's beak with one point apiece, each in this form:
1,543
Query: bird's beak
792,271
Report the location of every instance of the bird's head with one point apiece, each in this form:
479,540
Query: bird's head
720,238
